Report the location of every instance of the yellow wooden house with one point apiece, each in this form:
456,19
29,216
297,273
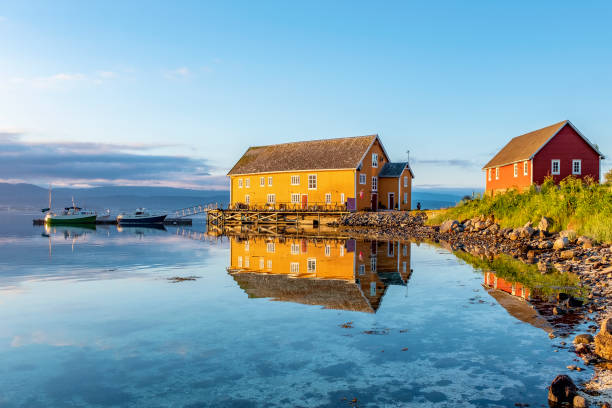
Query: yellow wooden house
352,173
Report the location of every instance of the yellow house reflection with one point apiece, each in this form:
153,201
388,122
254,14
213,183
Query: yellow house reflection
343,274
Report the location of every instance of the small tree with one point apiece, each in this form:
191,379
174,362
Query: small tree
609,177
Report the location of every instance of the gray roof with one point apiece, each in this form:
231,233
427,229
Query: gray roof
394,169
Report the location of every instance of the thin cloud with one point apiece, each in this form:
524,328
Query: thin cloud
62,79
181,72
447,162
97,164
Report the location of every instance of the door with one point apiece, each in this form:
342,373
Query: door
374,202
304,201
391,201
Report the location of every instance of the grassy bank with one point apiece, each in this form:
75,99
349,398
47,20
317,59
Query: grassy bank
580,206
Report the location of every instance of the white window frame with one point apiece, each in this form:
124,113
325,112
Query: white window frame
328,198
311,265
342,200
240,262
247,262
515,169
361,269
328,250
525,168
239,183
295,249
374,160
497,173
372,288
405,250
363,179
269,181
271,199
262,263
296,198
405,198
406,181
552,166
247,183
312,181
374,183
341,250
269,264
246,246
390,249
270,247
295,180
247,199
579,163
262,182
373,264
404,267
294,268
489,174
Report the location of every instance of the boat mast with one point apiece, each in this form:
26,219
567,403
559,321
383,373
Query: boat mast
49,197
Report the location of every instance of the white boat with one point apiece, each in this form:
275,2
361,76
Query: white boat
140,216
106,217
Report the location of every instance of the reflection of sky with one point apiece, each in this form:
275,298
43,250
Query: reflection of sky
142,341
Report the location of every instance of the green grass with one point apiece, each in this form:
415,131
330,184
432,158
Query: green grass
514,270
585,207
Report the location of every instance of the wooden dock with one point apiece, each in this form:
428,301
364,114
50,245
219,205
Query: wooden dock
222,218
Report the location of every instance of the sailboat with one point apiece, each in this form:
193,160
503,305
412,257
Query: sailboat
70,215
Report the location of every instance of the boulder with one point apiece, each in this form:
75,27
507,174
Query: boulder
526,232
603,340
569,234
545,224
583,339
561,243
513,235
562,389
448,225
585,242
579,402
567,254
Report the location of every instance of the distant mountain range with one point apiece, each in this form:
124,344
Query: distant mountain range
31,197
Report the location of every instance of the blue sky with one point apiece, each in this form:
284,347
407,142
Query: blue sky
193,84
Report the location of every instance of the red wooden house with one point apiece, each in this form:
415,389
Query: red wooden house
559,150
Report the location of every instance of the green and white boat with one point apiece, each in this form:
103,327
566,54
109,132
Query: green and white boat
71,215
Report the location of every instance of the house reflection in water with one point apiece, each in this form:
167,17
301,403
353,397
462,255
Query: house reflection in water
514,288
343,274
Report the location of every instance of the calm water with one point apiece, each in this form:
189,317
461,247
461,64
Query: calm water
88,318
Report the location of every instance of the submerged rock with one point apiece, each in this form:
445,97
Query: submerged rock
562,389
603,340
583,339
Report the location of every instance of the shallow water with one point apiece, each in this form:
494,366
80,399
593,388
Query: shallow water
88,317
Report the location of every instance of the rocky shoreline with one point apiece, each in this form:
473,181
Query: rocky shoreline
537,245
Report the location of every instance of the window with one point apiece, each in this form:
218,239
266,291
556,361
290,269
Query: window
239,183
372,288
362,269
497,173
576,167
240,262
404,267
327,250
270,181
246,246
555,166
312,265
295,267
270,247
247,262
269,264
405,253
373,264
362,178
312,181
295,249
327,198
405,198
341,250
271,199
247,183
405,181
390,246
247,199
295,198
374,183
261,263
374,160
342,198
525,168
489,174
515,169
262,181
295,180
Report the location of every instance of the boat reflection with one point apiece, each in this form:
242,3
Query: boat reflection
335,273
